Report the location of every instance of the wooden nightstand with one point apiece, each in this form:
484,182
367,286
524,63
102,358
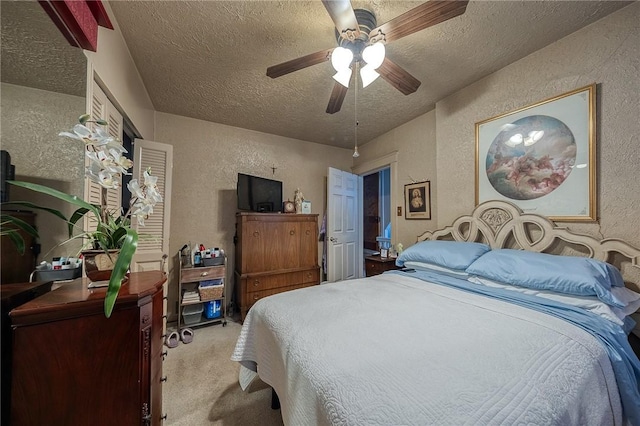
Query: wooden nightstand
375,265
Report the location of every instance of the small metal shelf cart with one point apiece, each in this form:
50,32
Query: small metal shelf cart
190,282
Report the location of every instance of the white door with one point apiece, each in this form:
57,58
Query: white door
153,240
343,230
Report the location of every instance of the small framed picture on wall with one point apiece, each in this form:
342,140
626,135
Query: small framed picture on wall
417,200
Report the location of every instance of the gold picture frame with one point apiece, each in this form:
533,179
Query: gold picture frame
542,157
417,200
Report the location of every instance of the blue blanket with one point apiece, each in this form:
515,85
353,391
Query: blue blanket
625,363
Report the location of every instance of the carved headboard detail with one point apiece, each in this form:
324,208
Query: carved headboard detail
494,222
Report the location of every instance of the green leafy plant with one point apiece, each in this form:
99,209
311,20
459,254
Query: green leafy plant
106,166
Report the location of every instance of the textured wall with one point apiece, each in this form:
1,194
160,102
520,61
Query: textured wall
208,157
415,143
606,52
31,121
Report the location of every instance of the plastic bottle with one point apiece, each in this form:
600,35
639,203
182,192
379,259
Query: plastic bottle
196,259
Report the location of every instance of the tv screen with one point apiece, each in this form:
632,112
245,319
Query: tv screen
258,194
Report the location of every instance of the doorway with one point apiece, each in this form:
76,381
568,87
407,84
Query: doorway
376,211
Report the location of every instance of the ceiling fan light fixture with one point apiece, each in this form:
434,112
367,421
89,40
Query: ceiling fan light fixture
373,55
343,77
341,59
368,74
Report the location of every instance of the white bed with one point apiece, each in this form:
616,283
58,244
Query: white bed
396,350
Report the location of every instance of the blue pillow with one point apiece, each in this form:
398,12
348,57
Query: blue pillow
448,254
580,276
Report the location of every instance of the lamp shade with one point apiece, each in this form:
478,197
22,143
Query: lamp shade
368,75
373,55
343,76
341,58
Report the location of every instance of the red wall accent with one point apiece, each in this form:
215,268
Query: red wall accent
78,20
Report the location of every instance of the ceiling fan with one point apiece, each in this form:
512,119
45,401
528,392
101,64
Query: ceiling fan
356,32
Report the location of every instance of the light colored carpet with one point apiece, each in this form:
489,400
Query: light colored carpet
202,383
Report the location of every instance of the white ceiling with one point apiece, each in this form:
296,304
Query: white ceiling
208,59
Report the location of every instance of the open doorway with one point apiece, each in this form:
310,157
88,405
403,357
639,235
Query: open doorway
376,211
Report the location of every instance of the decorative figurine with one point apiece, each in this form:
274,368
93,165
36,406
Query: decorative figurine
297,199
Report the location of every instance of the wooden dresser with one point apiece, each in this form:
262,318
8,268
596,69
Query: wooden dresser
275,252
74,366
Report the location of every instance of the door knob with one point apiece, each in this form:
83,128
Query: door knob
333,239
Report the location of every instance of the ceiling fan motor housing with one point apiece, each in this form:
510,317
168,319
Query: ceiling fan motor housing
366,22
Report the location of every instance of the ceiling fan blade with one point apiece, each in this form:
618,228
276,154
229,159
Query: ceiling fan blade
398,77
343,16
426,15
337,97
299,63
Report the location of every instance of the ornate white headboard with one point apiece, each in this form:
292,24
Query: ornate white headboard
496,222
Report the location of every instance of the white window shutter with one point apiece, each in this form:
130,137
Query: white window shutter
102,108
153,239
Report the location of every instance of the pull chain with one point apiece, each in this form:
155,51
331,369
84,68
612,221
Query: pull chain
355,151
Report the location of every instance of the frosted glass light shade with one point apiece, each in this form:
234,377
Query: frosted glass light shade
343,77
368,74
341,58
373,55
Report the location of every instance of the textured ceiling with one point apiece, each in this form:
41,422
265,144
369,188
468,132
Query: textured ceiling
208,59
35,54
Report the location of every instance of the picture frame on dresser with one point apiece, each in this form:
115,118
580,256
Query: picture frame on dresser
542,157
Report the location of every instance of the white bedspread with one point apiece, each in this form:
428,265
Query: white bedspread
394,350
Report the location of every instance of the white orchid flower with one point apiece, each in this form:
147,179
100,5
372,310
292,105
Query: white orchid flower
107,180
105,161
149,180
141,212
153,196
123,162
134,187
101,176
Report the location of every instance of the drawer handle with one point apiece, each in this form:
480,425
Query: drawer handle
308,232
204,274
292,232
256,234
256,297
164,379
256,283
308,274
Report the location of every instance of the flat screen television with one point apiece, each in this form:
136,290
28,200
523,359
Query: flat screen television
258,194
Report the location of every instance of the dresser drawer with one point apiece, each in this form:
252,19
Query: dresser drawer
375,265
253,297
374,268
268,282
202,273
312,276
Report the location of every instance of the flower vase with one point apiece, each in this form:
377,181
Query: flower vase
98,264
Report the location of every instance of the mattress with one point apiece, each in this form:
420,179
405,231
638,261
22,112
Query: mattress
396,350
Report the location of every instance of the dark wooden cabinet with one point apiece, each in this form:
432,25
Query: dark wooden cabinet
74,366
375,265
16,267
275,252
13,295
